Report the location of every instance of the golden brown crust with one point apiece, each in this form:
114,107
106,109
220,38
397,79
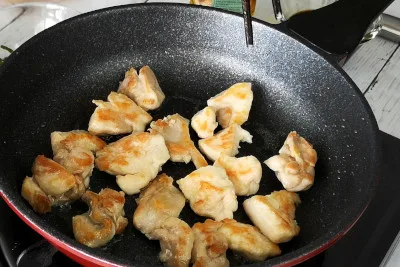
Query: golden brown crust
233,105
225,141
274,214
143,88
302,148
157,202
176,241
212,239
51,177
204,122
78,161
248,240
294,166
104,219
135,160
175,130
35,196
119,115
159,205
245,173
91,234
210,246
77,138
210,192
116,153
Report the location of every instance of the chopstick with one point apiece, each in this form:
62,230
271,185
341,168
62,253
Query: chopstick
248,27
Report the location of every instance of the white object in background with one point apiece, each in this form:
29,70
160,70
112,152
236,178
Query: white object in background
168,1
290,7
392,258
20,22
90,5
394,10
264,11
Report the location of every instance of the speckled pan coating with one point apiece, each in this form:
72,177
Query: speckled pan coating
49,82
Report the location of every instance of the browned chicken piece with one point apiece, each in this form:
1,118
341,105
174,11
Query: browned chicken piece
74,139
54,180
55,184
74,151
119,115
225,141
79,162
176,241
104,219
248,240
210,246
233,105
274,214
159,205
294,166
245,173
157,202
204,122
143,88
175,130
212,239
35,196
210,192
134,159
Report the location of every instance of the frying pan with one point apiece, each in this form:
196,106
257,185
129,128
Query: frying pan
196,52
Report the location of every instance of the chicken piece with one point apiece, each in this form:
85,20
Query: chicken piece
74,139
225,141
274,214
35,196
248,240
79,162
159,205
176,241
74,151
134,159
212,239
52,178
104,219
120,115
210,246
143,88
233,105
294,166
175,130
210,192
158,201
245,173
204,122
51,184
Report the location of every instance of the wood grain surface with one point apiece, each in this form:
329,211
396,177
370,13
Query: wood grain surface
375,68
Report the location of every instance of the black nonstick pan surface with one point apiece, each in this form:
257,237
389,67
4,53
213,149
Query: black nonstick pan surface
48,83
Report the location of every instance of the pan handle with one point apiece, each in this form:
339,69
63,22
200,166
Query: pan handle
39,254
337,28
338,59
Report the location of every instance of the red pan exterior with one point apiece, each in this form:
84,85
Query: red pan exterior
78,256
89,261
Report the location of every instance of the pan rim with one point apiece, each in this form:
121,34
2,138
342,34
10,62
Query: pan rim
288,258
